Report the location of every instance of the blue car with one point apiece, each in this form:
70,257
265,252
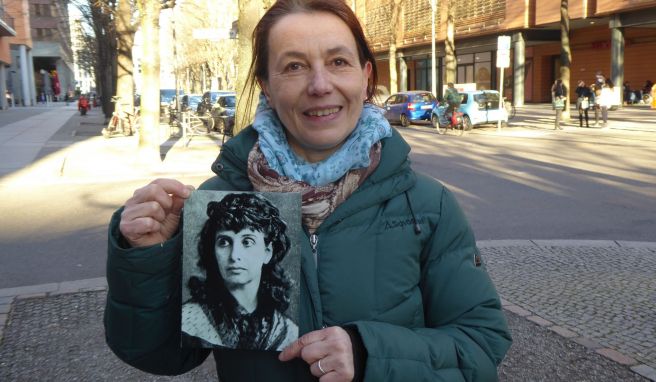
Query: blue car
478,108
406,107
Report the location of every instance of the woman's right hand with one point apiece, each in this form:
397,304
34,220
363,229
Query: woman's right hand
152,214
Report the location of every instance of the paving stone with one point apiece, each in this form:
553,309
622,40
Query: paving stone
563,332
26,290
601,290
645,371
539,320
518,310
616,356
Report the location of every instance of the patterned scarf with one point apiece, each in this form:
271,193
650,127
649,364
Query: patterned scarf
354,153
317,202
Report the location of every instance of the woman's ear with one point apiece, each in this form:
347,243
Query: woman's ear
269,253
265,89
367,76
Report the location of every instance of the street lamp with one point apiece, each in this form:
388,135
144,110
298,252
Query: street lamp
433,64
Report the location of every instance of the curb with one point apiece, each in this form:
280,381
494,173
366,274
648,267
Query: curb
9,295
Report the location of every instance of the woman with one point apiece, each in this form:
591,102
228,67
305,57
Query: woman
558,99
393,286
583,100
241,302
606,100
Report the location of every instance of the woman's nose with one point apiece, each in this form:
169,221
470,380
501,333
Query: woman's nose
320,82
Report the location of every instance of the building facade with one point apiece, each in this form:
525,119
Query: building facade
616,37
16,76
52,53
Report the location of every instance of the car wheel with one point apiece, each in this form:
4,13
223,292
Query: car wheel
466,123
220,125
405,122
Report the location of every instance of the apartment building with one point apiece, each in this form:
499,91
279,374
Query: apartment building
52,53
616,37
6,30
16,78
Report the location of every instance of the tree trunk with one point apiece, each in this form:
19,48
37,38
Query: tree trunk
565,54
125,67
394,37
450,44
105,70
149,130
250,12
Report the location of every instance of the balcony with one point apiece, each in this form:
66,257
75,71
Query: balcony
6,24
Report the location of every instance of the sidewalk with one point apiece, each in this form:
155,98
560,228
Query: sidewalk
578,310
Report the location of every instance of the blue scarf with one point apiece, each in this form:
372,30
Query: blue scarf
354,153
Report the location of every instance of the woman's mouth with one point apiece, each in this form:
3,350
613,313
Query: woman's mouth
316,113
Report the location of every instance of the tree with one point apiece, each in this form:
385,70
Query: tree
565,52
396,29
149,130
125,30
449,43
250,12
101,19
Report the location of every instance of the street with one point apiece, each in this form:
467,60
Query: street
525,182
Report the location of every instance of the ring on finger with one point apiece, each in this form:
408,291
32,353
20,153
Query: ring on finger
321,368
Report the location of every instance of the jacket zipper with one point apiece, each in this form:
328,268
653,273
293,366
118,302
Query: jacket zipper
314,240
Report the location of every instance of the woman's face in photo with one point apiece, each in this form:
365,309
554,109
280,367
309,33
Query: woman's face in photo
240,256
316,83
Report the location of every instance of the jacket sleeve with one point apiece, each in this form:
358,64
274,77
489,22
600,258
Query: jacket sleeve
142,315
465,335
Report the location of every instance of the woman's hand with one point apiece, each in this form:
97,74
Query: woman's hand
332,346
152,214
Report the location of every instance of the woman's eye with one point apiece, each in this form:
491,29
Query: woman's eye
248,242
222,242
294,66
340,62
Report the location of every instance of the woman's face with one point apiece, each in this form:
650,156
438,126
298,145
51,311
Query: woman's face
240,256
315,83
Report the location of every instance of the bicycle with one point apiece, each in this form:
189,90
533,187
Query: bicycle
443,121
121,122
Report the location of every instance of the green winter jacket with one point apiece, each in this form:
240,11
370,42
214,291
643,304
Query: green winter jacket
397,260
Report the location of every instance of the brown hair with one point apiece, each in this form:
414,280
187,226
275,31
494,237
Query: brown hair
259,64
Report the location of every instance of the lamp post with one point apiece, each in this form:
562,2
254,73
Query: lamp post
433,60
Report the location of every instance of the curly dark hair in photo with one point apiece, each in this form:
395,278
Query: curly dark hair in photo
236,212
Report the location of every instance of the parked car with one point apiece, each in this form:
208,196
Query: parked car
166,96
478,107
223,113
406,107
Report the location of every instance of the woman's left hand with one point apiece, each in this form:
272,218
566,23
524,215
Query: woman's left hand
332,346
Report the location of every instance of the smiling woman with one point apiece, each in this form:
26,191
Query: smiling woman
379,301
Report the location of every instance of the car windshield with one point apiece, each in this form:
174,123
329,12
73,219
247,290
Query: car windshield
166,95
423,97
194,100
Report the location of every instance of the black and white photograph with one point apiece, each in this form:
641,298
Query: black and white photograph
241,270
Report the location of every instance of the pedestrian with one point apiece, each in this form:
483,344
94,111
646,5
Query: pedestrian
584,95
596,98
558,99
600,79
83,105
240,249
393,287
606,100
653,96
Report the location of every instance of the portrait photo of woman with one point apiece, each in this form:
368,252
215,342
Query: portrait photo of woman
239,295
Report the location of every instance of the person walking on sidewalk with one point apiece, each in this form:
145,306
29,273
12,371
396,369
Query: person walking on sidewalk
584,96
558,99
606,100
393,287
